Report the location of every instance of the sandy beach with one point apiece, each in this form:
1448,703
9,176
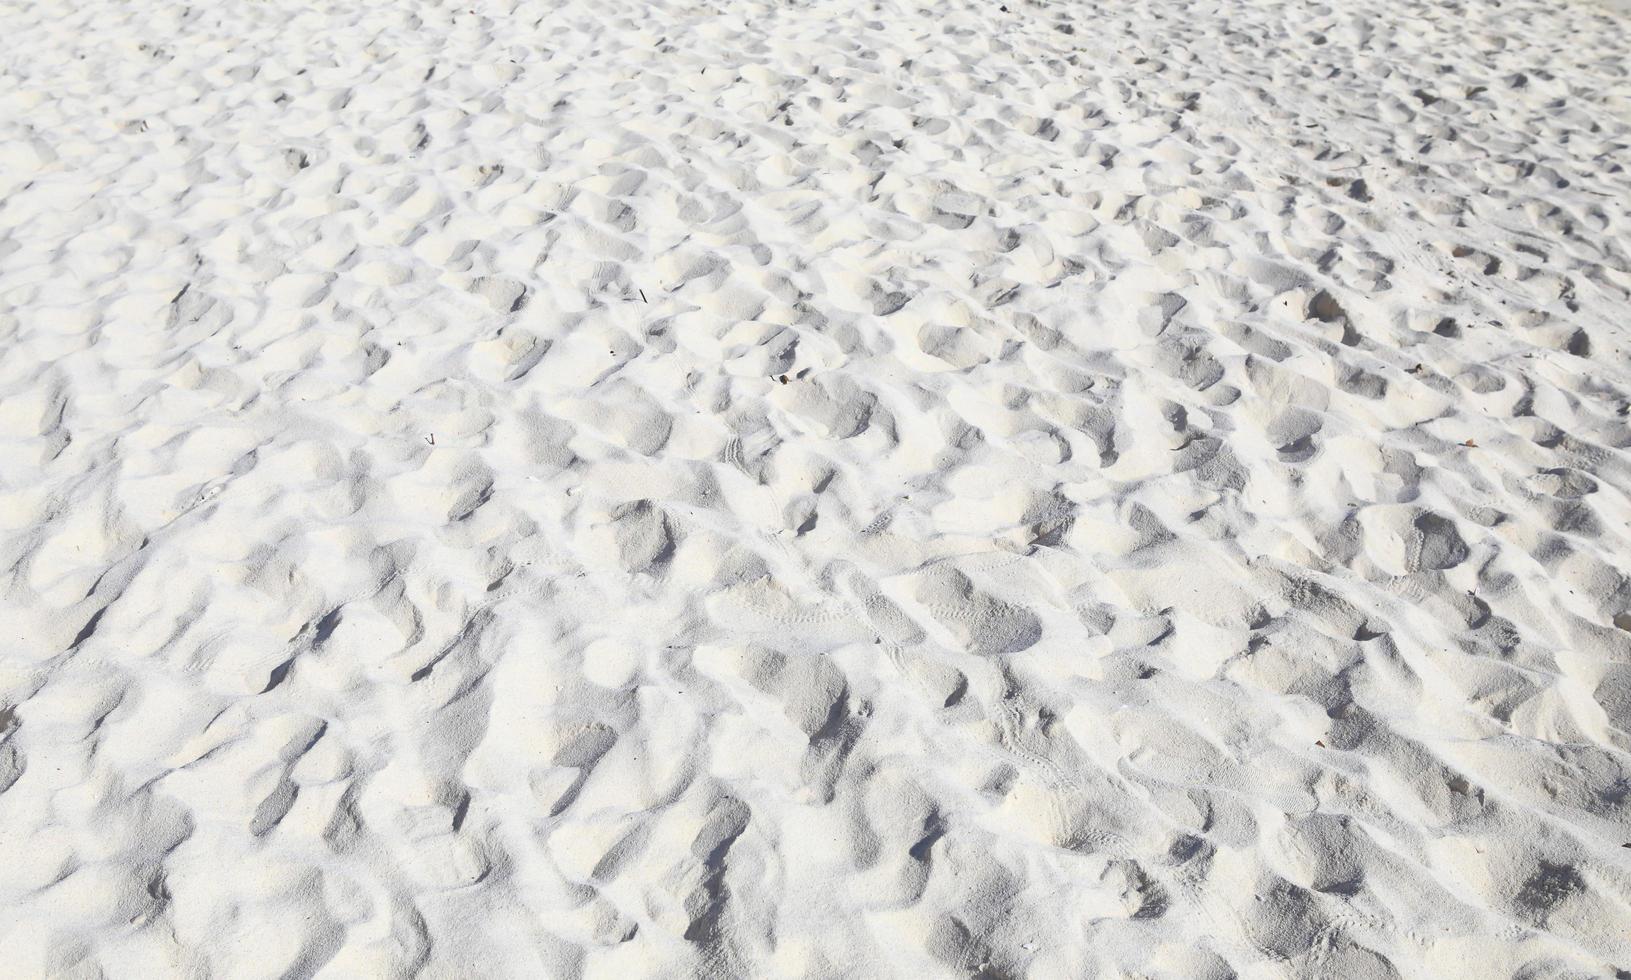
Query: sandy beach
819,489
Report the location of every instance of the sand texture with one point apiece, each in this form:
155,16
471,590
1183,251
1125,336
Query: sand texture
815,489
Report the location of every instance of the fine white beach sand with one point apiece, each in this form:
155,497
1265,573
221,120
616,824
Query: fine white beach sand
815,489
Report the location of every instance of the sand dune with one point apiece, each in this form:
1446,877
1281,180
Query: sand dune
815,489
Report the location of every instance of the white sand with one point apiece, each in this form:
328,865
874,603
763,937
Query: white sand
1187,542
